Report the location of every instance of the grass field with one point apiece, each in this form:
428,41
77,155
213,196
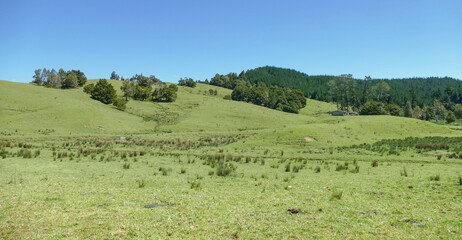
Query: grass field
230,170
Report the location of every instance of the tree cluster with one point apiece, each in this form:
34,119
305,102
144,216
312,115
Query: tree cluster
59,79
114,76
104,92
188,82
141,88
274,97
419,91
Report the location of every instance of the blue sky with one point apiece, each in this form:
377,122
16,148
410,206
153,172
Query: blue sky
173,39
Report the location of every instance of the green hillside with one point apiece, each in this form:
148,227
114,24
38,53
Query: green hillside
29,110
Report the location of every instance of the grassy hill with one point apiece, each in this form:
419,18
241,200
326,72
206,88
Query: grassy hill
29,110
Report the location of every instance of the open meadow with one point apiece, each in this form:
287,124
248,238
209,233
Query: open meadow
75,168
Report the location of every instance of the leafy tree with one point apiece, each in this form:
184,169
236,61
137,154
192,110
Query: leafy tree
458,112
103,92
438,110
62,75
381,91
450,117
240,93
114,76
37,77
127,88
120,103
81,78
188,82
417,113
141,93
408,110
165,94
70,81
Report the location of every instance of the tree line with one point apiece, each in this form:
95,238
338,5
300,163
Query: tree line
59,79
274,97
372,96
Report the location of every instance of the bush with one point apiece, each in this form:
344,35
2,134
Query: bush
372,108
224,169
120,103
317,169
375,163
88,88
435,178
336,195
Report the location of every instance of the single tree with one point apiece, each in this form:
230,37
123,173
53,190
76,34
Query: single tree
37,77
103,92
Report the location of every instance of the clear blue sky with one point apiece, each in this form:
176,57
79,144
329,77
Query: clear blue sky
173,39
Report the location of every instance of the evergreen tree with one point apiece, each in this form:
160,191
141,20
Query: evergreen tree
103,91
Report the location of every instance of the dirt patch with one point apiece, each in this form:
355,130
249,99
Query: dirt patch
310,139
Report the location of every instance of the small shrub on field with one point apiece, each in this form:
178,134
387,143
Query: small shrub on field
336,195
355,169
126,166
248,159
164,171
182,171
141,183
211,173
287,167
460,180
404,172
262,162
37,153
340,167
224,169
317,169
195,184
296,169
435,178
375,163
264,176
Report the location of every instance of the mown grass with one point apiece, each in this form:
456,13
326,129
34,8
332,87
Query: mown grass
230,169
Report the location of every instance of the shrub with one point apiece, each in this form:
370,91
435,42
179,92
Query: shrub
182,171
141,183
88,88
317,169
375,163
435,178
126,166
224,169
460,179
372,108
195,184
404,172
336,195
120,103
